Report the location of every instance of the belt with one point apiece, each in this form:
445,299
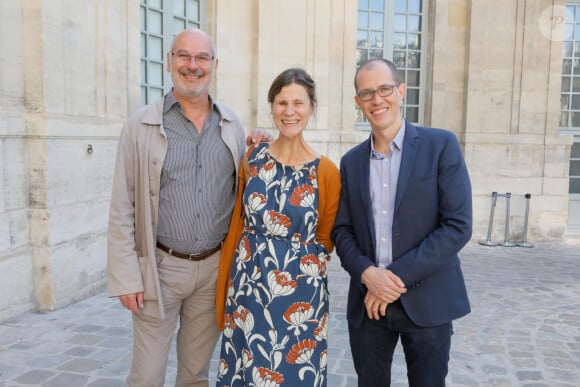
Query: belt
191,257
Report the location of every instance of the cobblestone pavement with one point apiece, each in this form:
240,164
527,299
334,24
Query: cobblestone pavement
524,329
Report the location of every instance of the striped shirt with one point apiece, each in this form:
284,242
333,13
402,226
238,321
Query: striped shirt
384,175
197,182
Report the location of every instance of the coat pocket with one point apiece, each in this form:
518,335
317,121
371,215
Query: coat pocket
149,276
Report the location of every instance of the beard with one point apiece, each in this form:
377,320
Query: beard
188,90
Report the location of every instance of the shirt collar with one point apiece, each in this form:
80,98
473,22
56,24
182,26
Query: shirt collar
170,101
396,144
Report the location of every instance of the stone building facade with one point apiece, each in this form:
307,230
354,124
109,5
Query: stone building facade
71,71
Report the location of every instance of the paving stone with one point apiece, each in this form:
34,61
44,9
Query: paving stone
81,365
34,377
66,379
107,383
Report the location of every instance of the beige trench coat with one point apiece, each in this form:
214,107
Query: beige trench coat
132,233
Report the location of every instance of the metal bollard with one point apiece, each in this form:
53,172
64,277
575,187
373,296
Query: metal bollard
524,242
506,242
488,241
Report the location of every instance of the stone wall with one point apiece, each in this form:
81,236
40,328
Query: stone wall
69,78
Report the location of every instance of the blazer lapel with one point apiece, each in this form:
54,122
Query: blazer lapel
365,191
410,145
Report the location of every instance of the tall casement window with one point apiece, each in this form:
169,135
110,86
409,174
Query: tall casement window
570,108
394,30
570,93
161,20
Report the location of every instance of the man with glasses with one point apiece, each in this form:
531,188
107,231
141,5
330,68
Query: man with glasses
173,194
404,214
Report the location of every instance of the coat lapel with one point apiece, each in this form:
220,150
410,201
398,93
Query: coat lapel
410,146
364,187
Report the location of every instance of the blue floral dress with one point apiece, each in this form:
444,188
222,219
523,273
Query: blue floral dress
276,318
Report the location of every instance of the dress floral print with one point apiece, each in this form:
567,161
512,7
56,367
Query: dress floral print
276,318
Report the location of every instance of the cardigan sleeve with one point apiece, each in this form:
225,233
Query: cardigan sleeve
230,245
328,197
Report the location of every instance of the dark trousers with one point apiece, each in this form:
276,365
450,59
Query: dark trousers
426,349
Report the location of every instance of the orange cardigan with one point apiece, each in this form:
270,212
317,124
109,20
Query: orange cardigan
328,196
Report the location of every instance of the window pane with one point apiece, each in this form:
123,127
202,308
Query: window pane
402,77
577,11
155,48
567,66
414,6
564,101
413,78
568,47
362,56
154,94
193,25
178,8
570,10
376,39
412,97
143,19
568,31
565,84
143,95
575,151
576,68
155,74
399,59
574,167
576,84
193,10
375,54
155,3
155,20
413,42
400,23
143,71
574,186
143,45
377,21
575,119
363,4
178,25
575,101
414,23
413,60
361,39
401,6
563,119
577,32
363,20
399,41
412,114
377,5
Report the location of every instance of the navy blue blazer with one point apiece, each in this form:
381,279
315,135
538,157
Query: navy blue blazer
431,224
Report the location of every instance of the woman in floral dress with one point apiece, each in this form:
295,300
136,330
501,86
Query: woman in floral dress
272,296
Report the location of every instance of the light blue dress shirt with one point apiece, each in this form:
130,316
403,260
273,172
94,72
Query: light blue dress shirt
384,174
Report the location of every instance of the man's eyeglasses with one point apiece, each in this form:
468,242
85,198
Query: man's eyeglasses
201,59
383,91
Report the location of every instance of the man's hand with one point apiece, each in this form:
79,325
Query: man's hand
375,307
383,284
133,301
257,136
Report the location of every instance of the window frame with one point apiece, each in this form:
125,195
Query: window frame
168,32
388,52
